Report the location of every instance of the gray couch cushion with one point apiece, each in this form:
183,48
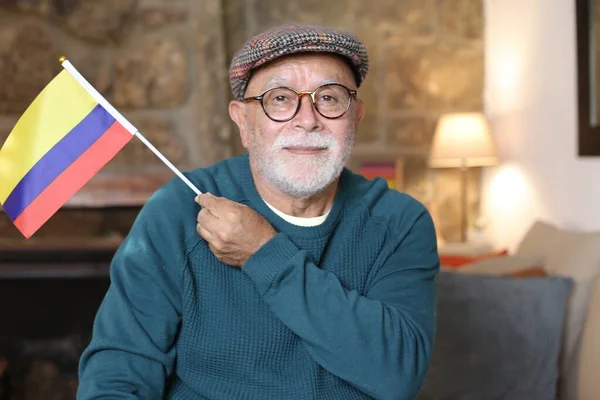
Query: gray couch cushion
497,337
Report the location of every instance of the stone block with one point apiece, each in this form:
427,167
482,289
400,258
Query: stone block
28,62
162,135
406,17
434,77
156,18
369,130
153,72
96,66
235,24
340,15
462,18
267,13
99,21
212,123
410,131
4,135
371,94
38,7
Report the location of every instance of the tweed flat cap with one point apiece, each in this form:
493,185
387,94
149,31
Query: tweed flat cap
295,38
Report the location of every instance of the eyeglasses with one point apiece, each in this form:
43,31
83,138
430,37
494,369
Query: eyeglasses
281,104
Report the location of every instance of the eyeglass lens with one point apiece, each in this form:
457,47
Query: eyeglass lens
330,100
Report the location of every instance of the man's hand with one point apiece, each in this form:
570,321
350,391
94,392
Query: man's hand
234,232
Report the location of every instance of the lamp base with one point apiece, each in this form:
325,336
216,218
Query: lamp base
464,203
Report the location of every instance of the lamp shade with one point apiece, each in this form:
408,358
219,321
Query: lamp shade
462,140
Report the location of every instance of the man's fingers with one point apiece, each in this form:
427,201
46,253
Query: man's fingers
207,220
208,201
214,250
213,243
206,235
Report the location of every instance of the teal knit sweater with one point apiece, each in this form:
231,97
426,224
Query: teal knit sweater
344,310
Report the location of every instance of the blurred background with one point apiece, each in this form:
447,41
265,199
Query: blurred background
164,63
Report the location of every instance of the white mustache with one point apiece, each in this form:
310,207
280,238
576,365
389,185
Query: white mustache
309,139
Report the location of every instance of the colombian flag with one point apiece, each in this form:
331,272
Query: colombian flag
67,134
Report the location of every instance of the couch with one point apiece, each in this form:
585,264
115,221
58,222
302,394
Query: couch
524,325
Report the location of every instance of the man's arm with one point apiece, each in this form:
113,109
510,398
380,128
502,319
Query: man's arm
380,342
132,351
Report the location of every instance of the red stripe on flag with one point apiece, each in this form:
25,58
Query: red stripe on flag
51,199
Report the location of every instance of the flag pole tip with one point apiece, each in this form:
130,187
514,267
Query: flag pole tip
62,59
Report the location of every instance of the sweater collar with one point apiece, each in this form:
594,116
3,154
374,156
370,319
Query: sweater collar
257,203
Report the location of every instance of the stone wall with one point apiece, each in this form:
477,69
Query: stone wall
145,57
163,64
160,63
426,59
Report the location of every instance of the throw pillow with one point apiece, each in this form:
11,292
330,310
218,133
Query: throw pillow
576,255
512,265
586,375
496,337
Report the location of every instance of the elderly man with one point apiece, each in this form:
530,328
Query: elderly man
291,277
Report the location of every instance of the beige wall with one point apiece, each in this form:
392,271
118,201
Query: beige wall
531,85
163,64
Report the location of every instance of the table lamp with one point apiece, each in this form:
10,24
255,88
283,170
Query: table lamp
462,140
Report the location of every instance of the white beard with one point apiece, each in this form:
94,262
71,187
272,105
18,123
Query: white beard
301,176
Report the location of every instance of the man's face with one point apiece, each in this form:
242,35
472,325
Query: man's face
304,155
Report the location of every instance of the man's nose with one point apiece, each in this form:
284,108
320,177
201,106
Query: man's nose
307,117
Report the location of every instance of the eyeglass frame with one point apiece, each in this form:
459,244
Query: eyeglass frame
351,92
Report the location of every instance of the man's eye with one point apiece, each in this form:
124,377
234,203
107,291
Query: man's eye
326,98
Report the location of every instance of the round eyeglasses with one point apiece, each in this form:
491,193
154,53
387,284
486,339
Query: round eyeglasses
281,104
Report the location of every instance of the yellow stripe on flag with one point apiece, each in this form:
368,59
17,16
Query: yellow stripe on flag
55,111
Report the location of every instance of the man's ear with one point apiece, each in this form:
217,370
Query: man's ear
360,111
237,112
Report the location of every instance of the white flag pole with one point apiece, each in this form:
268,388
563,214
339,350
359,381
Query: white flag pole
122,120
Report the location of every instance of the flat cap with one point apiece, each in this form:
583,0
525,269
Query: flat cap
295,38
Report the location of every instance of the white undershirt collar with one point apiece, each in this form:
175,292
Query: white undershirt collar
300,221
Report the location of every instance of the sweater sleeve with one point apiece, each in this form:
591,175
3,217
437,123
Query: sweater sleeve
380,342
132,351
